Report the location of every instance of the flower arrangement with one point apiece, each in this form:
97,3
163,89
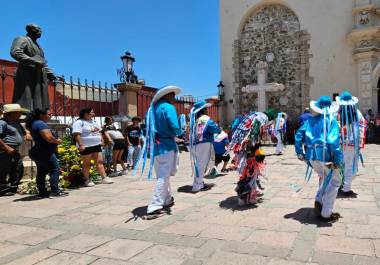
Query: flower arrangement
71,169
71,165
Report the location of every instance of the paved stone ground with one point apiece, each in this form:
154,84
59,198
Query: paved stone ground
101,225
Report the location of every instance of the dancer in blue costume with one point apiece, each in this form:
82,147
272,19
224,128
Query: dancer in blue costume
320,137
202,130
350,119
162,128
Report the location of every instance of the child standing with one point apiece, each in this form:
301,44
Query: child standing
220,147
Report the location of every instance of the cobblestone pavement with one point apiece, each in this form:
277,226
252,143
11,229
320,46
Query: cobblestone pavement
102,225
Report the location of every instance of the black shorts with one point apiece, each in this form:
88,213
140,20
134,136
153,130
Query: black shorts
220,158
91,149
119,144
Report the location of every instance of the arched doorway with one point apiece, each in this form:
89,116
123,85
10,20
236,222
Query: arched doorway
273,29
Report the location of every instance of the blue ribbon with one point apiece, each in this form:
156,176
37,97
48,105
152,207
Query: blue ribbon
361,159
192,139
148,144
182,122
327,180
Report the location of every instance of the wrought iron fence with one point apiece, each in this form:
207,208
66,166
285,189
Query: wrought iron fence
182,104
67,97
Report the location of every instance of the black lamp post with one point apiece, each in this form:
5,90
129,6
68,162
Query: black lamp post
220,90
126,73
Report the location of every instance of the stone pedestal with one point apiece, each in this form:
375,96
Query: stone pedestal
128,98
30,170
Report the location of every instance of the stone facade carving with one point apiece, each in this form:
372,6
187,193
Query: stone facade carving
364,17
276,29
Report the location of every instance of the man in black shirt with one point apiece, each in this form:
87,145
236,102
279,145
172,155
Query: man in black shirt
133,136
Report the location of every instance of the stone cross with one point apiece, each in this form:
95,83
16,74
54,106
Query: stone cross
262,87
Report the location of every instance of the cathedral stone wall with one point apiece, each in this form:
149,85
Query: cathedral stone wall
273,29
324,25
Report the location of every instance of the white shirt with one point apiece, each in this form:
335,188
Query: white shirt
115,134
89,132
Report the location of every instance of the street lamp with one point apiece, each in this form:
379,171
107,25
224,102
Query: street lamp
126,73
221,90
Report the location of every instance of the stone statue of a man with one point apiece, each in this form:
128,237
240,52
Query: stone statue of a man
31,81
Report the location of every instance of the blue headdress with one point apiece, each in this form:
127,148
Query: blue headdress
349,120
198,106
150,136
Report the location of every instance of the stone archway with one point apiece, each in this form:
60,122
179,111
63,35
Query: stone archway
273,28
376,87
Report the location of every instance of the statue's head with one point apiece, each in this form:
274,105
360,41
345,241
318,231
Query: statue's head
33,30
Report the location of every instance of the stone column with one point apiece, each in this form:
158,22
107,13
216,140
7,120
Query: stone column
128,98
237,86
366,62
365,36
262,72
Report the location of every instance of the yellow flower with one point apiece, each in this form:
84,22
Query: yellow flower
61,150
75,167
92,161
91,171
73,148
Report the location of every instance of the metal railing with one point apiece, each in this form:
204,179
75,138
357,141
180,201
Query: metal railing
67,97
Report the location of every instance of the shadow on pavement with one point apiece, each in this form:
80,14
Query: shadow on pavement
214,176
29,198
139,212
231,203
188,188
185,189
306,216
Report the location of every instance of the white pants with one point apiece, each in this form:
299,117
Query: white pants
203,153
165,165
279,145
326,197
133,154
349,153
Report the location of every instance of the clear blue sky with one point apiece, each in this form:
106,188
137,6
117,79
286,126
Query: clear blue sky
174,41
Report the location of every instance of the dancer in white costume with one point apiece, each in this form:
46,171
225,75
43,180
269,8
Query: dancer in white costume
317,142
202,130
279,130
350,119
162,128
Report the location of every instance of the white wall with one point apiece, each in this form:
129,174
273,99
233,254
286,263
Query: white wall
328,21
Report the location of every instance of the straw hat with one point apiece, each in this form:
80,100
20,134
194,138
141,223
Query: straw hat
8,108
164,91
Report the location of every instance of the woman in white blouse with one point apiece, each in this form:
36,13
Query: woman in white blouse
87,134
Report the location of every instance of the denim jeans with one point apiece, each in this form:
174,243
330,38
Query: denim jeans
47,165
133,154
10,165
